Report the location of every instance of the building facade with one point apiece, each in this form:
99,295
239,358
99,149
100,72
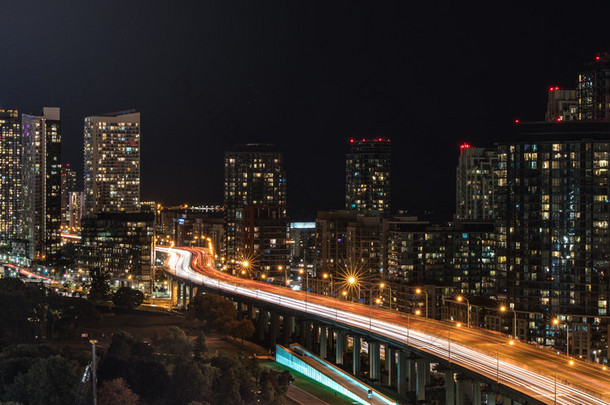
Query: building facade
112,162
553,232
562,105
475,180
68,185
41,182
11,202
593,89
367,175
256,224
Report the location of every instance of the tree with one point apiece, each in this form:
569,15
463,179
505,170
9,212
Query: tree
190,383
99,287
244,329
175,343
218,312
127,298
116,392
50,381
201,346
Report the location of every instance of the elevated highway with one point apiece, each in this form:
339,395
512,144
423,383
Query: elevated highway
533,374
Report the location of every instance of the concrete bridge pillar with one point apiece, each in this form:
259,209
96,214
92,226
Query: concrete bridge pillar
476,393
339,347
450,388
315,339
323,341
507,401
423,375
356,355
308,335
178,287
461,390
374,363
491,398
190,293
411,376
274,328
287,329
390,365
251,312
401,373
262,324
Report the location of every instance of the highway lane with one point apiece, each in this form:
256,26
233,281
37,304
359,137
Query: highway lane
522,366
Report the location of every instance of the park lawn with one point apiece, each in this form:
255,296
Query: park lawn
313,387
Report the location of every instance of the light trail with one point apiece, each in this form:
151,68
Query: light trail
533,376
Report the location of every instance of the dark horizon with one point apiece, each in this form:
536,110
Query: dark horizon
305,76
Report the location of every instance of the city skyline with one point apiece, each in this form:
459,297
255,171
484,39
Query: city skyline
360,70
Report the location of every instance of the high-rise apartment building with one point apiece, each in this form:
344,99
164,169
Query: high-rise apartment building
41,137
367,175
68,185
553,229
112,162
562,105
255,210
593,89
475,177
10,181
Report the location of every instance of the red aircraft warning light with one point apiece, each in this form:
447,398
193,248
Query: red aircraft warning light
465,145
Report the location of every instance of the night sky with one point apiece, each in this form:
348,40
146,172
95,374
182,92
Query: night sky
304,75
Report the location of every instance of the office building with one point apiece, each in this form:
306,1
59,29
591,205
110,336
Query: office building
256,223
11,220
475,177
303,246
112,162
367,175
593,89
68,185
553,232
41,136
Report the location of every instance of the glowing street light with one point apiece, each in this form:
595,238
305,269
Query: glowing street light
382,286
504,308
558,323
461,298
419,291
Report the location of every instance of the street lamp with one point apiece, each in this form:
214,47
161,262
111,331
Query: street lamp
328,275
571,363
510,342
301,271
93,373
504,308
382,286
557,322
419,291
461,298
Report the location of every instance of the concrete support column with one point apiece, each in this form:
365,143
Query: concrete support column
460,391
183,295
507,401
251,312
302,332
374,363
315,336
287,330
390,365
178,293
401,373
476,393
411,375
491,398
323,342
423,369
449,388
274,328
190,293
339,347
262,324
356,358
308,334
